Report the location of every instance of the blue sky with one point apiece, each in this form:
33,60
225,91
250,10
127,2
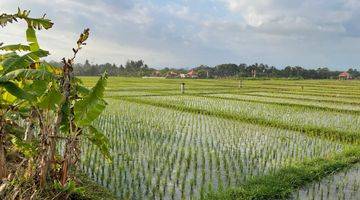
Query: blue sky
187,33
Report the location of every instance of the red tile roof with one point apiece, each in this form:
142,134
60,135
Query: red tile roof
344,74
192,72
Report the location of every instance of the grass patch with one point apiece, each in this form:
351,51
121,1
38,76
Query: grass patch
92,190
282,183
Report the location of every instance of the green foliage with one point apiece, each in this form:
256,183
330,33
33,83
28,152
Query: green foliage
5,18
93,190
82,90
43,98
16,91
91,106
25,61
100,140
31,38
41,79
88,109
27,148
28,74
14,130
50,68
228,71
37,87
51,99
69,188
36,23
5,57
15,47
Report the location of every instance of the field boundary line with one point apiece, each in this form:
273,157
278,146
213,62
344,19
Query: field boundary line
313,107
303,98
315,94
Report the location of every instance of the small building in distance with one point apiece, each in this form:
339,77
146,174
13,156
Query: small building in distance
156,73
172,74
184,76
192,74
344,76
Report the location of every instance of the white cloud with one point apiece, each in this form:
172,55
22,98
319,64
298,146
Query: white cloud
254,18
255,12
352,4
294,17
184,33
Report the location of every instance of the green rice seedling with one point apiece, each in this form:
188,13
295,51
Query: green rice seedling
162,148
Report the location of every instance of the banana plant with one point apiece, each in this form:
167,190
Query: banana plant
41,94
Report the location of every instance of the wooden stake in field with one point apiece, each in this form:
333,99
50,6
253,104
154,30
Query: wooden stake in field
240,83
253,73
182,88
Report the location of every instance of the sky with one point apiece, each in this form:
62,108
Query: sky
188,33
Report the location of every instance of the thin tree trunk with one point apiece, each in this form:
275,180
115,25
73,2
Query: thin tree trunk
65,165
71,148
43,170
67,150
54,134
3,169
44,153
29,136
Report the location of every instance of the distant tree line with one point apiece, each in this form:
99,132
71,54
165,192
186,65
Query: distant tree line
265,71
140,69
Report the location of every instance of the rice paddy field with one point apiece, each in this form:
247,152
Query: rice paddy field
226,139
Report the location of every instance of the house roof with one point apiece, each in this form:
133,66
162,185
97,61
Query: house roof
192,72
345,74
